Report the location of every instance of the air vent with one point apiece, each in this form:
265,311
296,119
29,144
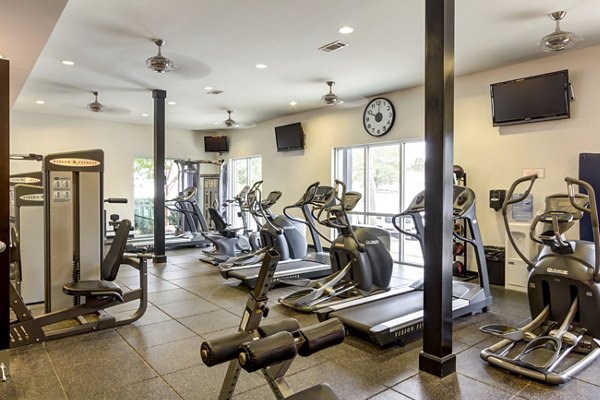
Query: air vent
333,46
214,91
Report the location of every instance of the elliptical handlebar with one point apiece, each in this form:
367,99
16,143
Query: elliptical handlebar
591,209
509,201
401,230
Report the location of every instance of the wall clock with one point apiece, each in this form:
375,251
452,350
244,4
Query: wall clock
379,116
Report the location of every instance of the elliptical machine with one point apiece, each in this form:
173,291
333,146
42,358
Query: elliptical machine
563,289
361,263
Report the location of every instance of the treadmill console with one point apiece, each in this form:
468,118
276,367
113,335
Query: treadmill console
351,199
464,199
417,204
271,198
323,194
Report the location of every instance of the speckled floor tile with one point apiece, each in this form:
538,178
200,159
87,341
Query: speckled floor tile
107,355
455,386
188,307
211,322
171,296
32,376
173,356
155,334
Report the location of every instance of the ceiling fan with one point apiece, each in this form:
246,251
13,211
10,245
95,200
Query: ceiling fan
559,40
96,106
331,98
230,123
159,63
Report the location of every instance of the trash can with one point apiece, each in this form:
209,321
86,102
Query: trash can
494,257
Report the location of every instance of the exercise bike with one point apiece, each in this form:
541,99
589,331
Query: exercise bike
563,290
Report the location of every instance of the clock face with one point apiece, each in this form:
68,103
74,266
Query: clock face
379,116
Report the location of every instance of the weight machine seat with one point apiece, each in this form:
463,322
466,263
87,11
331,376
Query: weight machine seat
108,271
318,392
94,289
220,225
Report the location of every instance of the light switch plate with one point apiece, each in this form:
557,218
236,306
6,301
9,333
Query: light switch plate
541,172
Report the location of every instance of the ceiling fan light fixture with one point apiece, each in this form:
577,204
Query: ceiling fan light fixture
96,106
229,122
330,98
159,63
559,40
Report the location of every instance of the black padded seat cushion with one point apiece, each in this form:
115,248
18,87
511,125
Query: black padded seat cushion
319,392
93,288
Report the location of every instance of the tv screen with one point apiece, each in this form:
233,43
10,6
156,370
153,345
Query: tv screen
289,137
215,144
532,99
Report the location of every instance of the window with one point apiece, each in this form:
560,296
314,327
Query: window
143,195
244,172
388,176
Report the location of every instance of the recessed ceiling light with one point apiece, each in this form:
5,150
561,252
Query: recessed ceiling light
293,103
171,103
216,123
40,102
67,62
208,88
144,115
346,29
261,66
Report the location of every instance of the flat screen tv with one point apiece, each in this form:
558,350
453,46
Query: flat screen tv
215,144
289,137
532,99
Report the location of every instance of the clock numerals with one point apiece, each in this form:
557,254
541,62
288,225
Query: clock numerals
378,117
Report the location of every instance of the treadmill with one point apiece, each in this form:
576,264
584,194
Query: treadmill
185,203
313,265
396,316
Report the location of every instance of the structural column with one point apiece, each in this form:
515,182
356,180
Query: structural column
436,357
4,213
159,97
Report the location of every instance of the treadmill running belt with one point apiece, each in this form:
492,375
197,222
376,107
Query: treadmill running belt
368,315
289,270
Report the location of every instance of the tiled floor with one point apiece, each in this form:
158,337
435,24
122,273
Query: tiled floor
158,356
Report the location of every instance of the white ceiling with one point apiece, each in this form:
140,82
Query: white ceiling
218,42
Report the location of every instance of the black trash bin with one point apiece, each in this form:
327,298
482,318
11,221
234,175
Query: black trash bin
494,257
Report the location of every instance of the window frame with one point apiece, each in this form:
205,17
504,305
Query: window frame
365,214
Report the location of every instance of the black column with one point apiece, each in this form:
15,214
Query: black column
4,200
159,97
436,357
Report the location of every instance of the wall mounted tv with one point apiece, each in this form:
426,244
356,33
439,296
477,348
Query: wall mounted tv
215,144
532,99
289,137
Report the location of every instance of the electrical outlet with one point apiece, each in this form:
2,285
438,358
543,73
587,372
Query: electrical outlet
541,172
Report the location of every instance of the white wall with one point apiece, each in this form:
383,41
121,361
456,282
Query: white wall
45,134
492,157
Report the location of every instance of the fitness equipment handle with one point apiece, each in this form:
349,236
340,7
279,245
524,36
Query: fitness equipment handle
117,200
262,353
227,348
321,336
397,225
591,209
509,200
284,346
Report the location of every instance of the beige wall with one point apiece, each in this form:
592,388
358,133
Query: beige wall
493,157
45,134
